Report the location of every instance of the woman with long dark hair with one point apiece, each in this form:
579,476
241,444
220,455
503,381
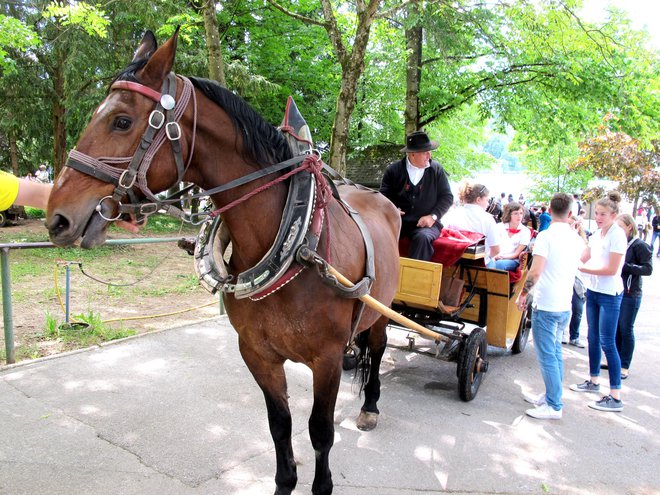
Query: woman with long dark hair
638,263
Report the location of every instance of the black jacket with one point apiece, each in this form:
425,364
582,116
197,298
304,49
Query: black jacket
431,195
638,263
656,223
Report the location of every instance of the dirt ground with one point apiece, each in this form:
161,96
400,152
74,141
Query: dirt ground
162,275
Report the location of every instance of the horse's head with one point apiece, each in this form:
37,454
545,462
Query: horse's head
85,198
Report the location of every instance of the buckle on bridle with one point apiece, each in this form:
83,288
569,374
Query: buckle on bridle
156,114
99,209
173,131
147,209
127,174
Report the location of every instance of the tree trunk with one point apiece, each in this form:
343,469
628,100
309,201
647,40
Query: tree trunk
413,70
59,114
13,153
352,65
216,63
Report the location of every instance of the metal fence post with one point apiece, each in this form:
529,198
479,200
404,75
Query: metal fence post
6,307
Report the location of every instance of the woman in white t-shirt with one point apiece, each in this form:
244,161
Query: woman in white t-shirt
603,262
514,237
472,217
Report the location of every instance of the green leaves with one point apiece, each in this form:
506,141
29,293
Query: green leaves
89,18
15,37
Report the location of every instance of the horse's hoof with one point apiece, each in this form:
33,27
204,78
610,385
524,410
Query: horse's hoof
367,421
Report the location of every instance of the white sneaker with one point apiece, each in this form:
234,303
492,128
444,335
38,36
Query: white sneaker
536,399
544,412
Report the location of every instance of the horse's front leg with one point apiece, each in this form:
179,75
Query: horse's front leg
327,375
271,379
377,342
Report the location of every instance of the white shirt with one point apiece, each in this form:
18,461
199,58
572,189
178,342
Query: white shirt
561,247
474,218
508,245
415,173
613,242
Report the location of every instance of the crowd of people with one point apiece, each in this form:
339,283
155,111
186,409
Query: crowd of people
571,268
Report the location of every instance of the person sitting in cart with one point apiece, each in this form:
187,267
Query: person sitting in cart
418,186
514,237
472,217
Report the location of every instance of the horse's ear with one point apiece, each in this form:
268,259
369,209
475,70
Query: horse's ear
161,62
147,47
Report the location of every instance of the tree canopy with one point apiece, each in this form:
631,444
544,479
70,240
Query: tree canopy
361,72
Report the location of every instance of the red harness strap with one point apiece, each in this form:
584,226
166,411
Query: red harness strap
138,88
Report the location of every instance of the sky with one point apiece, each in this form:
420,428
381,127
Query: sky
643,14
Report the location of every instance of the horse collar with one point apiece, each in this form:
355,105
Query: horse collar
301,224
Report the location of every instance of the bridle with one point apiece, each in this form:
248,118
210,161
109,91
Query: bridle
163,124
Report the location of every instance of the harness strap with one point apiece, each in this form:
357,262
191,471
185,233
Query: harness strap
85,168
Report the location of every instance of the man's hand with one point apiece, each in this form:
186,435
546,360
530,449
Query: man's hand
426,221
521,301
131,227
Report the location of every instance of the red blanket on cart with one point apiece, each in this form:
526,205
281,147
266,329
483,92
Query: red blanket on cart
448,247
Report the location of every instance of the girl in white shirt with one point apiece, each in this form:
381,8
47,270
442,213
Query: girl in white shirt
603,261
514,237
472,217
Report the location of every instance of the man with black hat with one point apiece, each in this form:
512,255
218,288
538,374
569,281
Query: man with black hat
419,188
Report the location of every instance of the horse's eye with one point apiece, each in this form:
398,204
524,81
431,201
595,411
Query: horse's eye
122,123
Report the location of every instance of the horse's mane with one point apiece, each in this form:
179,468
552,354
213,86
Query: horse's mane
263,143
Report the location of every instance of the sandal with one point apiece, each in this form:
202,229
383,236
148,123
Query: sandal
624,374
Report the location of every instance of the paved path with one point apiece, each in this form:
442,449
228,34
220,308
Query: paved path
177,412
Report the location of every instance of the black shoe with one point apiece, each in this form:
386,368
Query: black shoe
604,366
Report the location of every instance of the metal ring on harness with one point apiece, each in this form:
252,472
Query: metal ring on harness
99,209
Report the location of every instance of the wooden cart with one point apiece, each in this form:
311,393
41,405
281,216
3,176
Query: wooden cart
487,303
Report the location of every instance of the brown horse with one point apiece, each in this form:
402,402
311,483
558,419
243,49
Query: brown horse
222,139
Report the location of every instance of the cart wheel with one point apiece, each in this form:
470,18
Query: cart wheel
3,218
472,364
524,329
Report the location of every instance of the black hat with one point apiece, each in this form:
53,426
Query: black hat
418,141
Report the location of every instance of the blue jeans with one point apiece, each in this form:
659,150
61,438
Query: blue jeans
625,338
656,234
602,318
547,329
577,308
510,265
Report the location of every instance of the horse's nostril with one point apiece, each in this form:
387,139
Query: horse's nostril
58,224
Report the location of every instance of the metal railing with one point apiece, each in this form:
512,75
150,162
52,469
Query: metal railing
7,314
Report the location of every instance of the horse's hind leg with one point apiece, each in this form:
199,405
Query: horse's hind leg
271,379
327,375
376,341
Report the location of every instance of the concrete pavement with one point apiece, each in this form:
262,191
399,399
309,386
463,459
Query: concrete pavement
177,412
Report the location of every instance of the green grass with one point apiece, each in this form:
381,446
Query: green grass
22,352
160,224
83,330
34,212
